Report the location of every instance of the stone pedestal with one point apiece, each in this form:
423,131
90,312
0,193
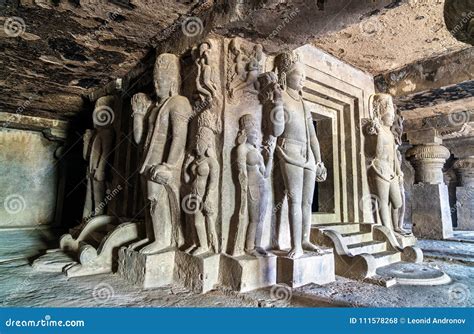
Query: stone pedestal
405,240
147,271
309,268
465,208
246,273
197,273
465,194
431,214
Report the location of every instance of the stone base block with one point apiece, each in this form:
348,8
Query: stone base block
405,240
309,268
147,271
431,213
197,273
53,261
247,273
465,208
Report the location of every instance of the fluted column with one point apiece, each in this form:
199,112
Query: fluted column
465,193
431,212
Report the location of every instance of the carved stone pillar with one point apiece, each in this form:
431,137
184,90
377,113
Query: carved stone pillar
431,213
465,193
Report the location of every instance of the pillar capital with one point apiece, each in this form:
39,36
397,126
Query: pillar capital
428,161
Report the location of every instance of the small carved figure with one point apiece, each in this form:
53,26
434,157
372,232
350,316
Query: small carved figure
206,87
385,175
297,149
253,176
201,171
98,145
163,151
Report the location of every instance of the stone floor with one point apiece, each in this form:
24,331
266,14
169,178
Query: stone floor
22,286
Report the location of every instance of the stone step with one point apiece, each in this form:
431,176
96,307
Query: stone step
357,237
385,258
340,227
369,247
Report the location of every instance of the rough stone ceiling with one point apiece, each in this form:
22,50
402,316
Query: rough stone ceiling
69,47
392,39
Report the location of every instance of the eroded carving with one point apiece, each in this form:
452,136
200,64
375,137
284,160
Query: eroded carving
163,153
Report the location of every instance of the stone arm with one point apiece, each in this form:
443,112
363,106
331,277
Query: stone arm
242,166
107,142
141,105
87,144
270,150
180,114
212,185
189,160
314,142
398,161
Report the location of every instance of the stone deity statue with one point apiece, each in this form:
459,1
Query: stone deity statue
384,171
297,150
201,172
98,145
166,124
253,179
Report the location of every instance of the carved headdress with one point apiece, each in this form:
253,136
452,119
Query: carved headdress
246,124
285,63
167,66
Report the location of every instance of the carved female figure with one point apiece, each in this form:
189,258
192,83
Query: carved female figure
385,175
201,171
164,148
204,81
253,175
297,149
98,144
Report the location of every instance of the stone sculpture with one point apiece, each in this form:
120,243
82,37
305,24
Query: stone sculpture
201,172
207,88
245,69
253,179
163,153
98,145
297,149
384,170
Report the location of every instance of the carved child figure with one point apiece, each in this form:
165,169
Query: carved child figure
98,145
164,148
253,176
201,171
385,175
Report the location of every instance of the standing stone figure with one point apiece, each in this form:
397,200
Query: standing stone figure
98,145
201,171
253,179
163,154
384,171
297,149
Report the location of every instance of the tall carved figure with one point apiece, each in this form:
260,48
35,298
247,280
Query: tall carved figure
297,149
253,176
98,145
163,153
201,172
384,170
